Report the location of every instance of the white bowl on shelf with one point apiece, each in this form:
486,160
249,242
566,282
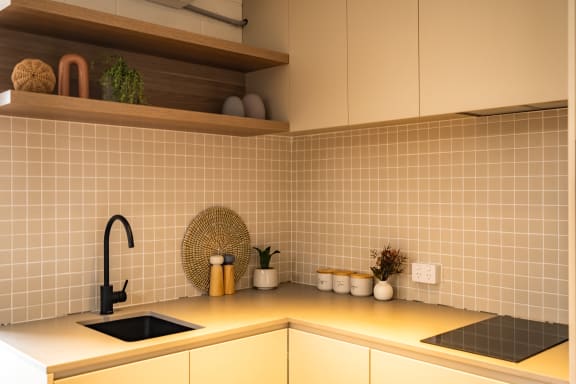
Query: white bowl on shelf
254,106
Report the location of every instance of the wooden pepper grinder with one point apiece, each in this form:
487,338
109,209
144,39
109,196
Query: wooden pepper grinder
229,274
216,276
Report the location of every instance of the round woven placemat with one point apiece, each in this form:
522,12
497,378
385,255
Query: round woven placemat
214,231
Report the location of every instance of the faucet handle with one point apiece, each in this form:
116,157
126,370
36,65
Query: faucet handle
120,296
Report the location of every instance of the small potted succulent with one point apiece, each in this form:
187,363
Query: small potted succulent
265,277
387,262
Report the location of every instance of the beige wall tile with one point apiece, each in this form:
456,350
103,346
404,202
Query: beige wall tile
482,196
485,197
62,181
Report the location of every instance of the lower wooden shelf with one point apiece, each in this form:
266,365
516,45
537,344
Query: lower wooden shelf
52,107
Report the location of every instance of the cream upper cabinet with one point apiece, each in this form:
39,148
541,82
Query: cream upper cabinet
317,359
382,60
318,64
312,91
171,369
255,359
491,53
351,62
365,61
388,368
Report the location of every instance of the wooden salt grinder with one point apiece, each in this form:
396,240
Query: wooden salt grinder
216,276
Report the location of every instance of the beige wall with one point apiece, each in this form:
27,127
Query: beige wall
176,18
485,197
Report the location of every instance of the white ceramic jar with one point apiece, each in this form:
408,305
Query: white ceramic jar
361,284
341,281
324,279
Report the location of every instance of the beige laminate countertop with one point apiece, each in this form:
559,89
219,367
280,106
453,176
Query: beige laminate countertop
64,347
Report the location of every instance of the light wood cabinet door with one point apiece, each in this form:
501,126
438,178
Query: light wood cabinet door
389,368
318,359
256,359
171,369
491,53
382,60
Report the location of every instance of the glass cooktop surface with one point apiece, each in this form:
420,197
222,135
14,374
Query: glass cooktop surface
503,337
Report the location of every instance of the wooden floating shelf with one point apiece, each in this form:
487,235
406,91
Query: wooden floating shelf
70,22
45,106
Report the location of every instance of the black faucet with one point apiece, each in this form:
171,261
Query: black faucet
107,295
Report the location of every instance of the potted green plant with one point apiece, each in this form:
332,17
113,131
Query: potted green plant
387,262
122,83
265,277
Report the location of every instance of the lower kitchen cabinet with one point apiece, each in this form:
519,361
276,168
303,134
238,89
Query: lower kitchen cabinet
318,359
171,369
280,357
255,359
389,368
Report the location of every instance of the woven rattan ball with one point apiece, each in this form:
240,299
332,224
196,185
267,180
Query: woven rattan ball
34,76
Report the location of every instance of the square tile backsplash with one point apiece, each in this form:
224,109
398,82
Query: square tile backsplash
60,182
484,197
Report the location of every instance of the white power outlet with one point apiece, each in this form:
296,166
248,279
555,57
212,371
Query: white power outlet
426,273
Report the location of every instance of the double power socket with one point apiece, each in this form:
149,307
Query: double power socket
426,273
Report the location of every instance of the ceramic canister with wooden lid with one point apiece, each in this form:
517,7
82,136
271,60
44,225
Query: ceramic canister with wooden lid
324,279
361,284
341,281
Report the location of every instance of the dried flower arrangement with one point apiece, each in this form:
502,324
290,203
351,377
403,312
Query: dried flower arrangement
388,261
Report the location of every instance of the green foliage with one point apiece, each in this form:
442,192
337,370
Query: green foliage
265,256
122,83
388,261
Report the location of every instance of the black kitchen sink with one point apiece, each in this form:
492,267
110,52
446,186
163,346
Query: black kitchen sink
141,327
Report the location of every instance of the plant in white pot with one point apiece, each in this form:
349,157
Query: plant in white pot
388,261
265,277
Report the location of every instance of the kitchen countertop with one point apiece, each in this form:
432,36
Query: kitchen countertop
63,347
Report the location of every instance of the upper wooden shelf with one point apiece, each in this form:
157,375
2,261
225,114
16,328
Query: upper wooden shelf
44,106
80,24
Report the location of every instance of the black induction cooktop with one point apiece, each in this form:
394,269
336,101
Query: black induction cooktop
503,337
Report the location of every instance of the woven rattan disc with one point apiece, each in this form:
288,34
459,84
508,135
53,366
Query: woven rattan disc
214,231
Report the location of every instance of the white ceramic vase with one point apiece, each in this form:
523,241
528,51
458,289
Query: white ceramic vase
265,278
383,290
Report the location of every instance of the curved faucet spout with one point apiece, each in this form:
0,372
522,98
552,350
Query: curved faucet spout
107,296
